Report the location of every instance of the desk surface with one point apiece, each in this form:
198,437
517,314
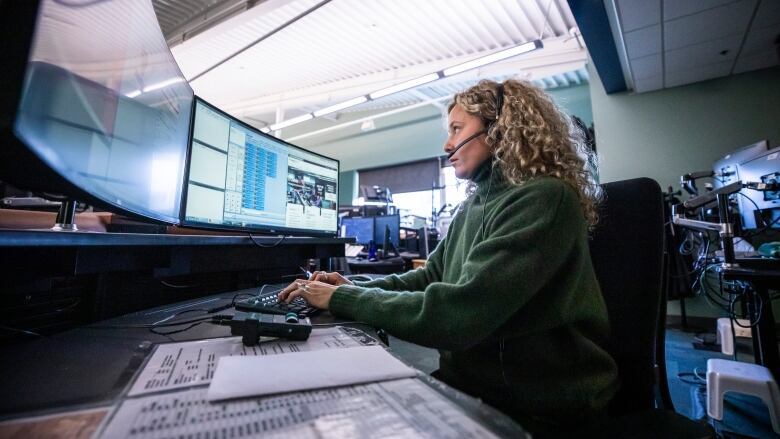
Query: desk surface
48,238
93,366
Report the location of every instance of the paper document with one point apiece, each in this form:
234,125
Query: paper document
238,377
403,408
185,364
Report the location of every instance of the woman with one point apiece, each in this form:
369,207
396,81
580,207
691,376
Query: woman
510,297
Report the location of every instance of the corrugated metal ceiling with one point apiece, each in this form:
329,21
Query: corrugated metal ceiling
330,51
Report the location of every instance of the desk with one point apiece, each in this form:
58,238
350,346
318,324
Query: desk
764,274
80,277
380,266
92,367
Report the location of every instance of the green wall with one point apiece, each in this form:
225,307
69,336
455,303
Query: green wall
413,135
667,133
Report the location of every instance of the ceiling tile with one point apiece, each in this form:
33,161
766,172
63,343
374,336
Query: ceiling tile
643,42
708,52
768,14
731,19
760,60
646,67
760,40
636,14
697,74
678,8
649,84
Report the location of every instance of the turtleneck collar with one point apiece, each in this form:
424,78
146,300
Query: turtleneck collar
484,174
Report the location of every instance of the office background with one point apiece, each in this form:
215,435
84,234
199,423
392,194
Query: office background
661,134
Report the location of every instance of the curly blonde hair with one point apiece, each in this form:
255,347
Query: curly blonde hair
532,138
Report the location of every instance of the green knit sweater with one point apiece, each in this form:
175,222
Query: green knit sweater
515,311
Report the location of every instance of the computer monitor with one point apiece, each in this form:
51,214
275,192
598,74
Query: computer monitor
361,228
242,179
764,168
726,168
93,105
381,223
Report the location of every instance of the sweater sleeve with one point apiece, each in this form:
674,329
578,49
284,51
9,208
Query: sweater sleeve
528,241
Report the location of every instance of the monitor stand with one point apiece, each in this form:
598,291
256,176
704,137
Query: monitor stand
66,217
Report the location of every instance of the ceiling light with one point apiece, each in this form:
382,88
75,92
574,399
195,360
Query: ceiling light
405,85
493,57
293,121
412,83
340,106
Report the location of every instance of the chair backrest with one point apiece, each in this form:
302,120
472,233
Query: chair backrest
627,251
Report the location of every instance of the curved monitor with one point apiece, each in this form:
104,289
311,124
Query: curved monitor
240,178
104,106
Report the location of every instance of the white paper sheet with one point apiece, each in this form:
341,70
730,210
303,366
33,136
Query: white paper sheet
238,377
185,364
400,409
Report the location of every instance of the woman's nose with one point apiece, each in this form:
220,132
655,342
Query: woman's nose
448,145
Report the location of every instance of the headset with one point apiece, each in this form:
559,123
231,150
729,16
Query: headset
499,104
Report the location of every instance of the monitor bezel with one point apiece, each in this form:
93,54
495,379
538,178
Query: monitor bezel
260,229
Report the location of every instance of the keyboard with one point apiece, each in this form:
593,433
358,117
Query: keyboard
268,304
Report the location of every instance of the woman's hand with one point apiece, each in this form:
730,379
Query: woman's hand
316,294
332,278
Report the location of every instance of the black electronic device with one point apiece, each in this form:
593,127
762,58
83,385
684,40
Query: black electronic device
93,106
241,178
268,303
726,171
252,326
387,224
760,204
388,247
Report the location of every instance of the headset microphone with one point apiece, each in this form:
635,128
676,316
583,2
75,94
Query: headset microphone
463,143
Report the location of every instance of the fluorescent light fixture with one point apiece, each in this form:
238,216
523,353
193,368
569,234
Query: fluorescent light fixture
133,94
493,57
162,84
405,85
340,106
412,83
291,122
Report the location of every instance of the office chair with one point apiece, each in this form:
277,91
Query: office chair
627,249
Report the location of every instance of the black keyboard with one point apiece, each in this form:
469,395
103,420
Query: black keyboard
268,304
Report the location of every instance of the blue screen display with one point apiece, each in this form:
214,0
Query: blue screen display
361,228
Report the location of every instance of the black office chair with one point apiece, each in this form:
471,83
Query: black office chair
627,251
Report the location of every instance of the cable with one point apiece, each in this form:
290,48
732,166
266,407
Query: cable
21,331
146,326
170,285
178,314
176,331
698,379
267,246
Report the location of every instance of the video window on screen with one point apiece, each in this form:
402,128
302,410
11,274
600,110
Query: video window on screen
241,178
